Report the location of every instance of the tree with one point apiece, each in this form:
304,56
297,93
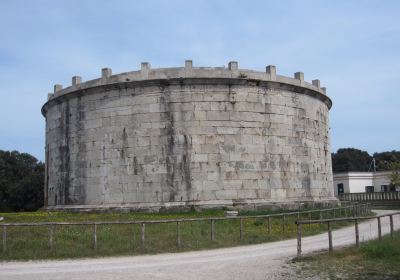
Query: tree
394,177
21,182
350,159
385,160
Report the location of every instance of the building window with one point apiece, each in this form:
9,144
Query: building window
384,188
369,189
340,188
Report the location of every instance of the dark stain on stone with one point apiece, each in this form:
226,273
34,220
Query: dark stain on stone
135,166
79,191
232,95
284,173
306,178
272,165
268,108
64,154
177,154
124,144
186,172
306,185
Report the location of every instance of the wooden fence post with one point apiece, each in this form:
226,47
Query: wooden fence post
94,236
269,225
298,239
330,237
379,229
284,223
241,229
4,239
391,226
357,234
51,231
212,230
178,235
133,237
142,236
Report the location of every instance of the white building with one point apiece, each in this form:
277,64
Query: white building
358,182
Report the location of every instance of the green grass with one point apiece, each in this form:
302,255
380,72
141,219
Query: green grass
372,260
108,216
24,243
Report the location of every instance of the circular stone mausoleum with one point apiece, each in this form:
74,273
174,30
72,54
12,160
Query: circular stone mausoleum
187,137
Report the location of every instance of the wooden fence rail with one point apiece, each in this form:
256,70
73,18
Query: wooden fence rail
351,209
299,224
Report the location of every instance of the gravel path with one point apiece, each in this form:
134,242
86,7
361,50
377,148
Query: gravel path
263,261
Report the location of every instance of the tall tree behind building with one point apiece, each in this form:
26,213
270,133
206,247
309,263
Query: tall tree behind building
387,160
350,159
21,182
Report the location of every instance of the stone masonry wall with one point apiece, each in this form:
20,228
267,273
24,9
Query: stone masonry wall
205,142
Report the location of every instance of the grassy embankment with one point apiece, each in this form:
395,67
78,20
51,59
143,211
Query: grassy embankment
372,260
25,243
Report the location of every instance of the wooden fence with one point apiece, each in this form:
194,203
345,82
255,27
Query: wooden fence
353,210
374,196
329,222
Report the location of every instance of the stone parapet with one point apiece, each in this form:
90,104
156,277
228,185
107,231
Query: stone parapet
232,72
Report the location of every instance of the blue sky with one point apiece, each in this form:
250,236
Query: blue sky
353,47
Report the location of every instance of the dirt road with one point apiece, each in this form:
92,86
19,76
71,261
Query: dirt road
264,261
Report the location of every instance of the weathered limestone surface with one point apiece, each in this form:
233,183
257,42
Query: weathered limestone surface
187,136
